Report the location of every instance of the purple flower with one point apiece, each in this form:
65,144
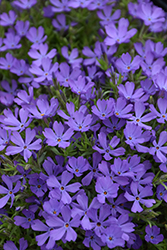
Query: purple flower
7,63
24,99
60,5
11,120
72,58
65,74
126,64
22,27
80,121
64,225
107,151
25,4
19,67
94,173
9,245
98,4
45,110
91,239
57,137
158,149
4,138
120,35
138,197
43,49
53,207
38,186
60,22
41,239
79,86
36,36
106,188
104,108
114,123
99,219
77,165
138,119
129,93
120,110
150,66
135,135
153,234
162,192
162,115
8,19
148,87
112,236
11,41
61,190
150,13
107,18
27,221
9,191
117,205
46,72
24,146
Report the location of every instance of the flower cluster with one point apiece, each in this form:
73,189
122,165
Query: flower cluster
83,136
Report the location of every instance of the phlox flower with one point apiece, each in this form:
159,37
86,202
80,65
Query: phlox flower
61,190
64,225
162,192
80,86
11,41
57,137
25,4
153,234
121,110
158,148
43,49
72,58
44,73
9,245
120,35
7,63
104,108
129,93
26,221
24,146
106,188
77,165
106,150
126,64
36,36
138,118
80,121
112,236
41,239
4,138
135,136
65,74
150,13
138,197
12,122
53,207
162,115
60,5
9,191
91,239
22,27
42,108
106,16
8,19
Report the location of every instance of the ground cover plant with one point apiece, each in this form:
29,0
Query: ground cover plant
83,136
